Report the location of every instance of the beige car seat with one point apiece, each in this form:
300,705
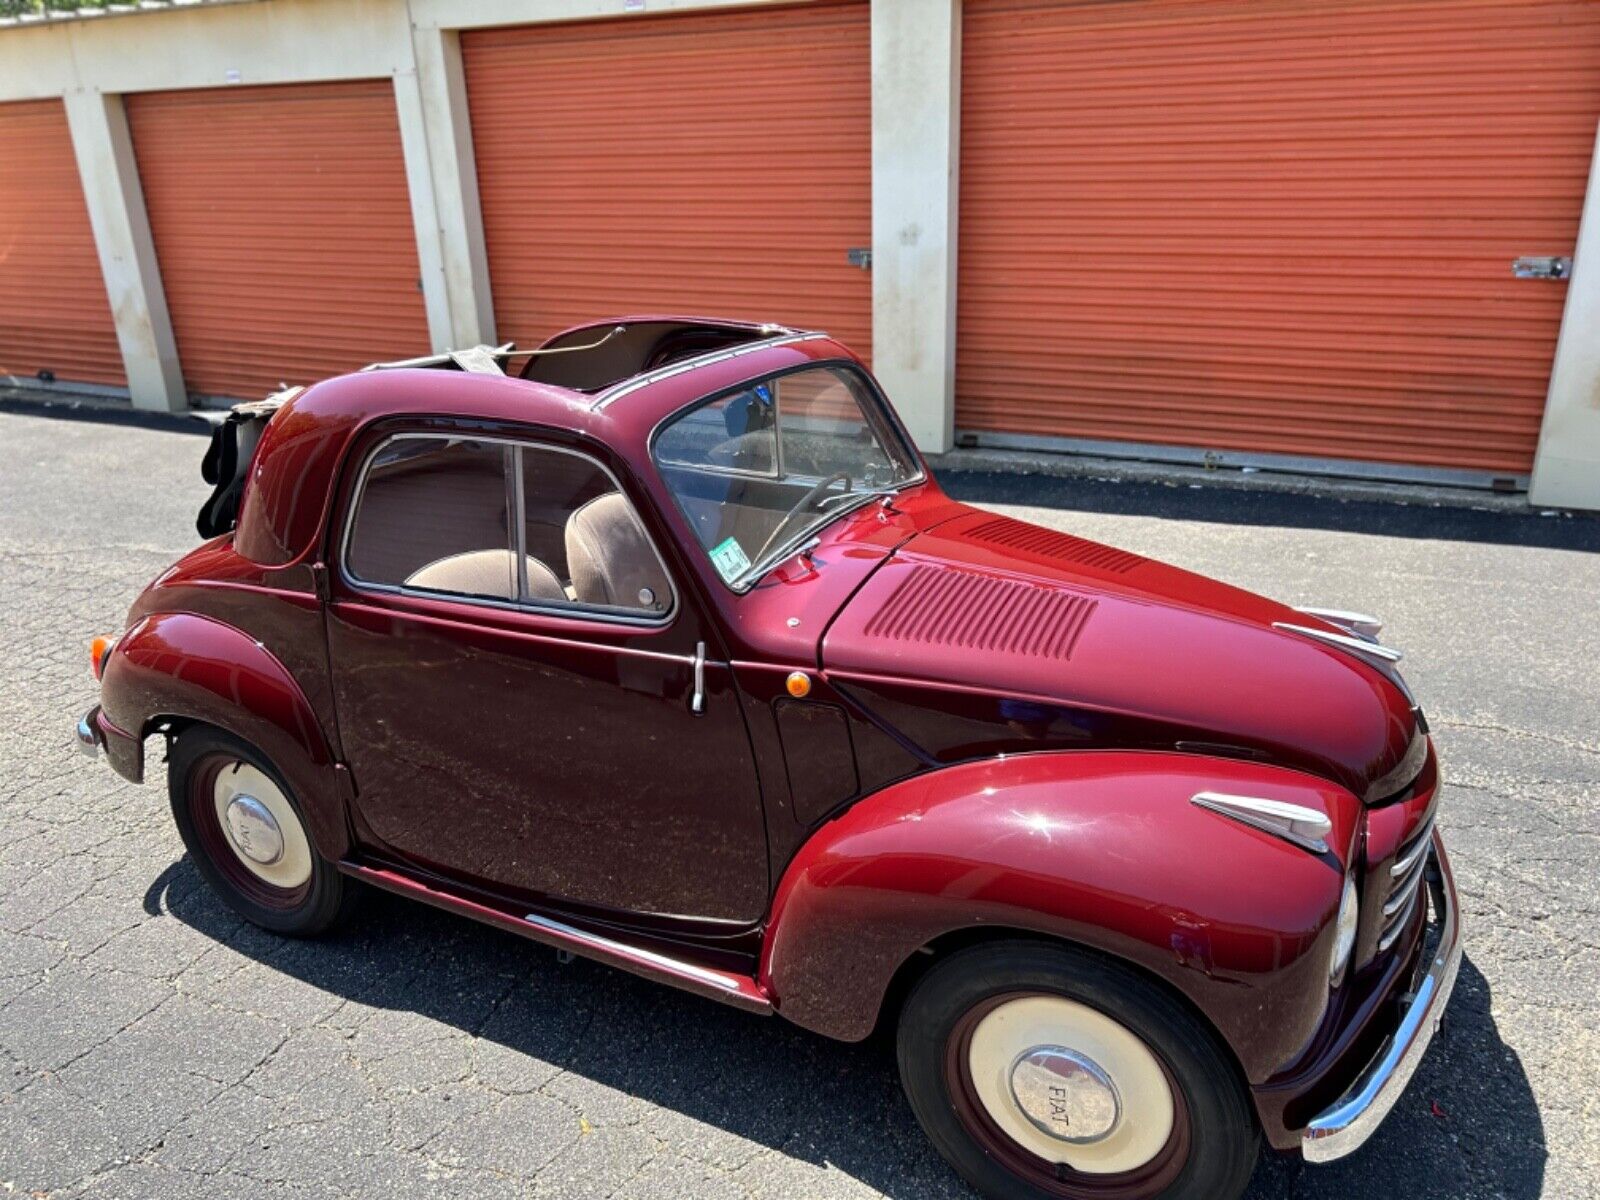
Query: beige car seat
611,560
487,573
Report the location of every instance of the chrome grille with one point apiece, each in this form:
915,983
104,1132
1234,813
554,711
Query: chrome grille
1405,884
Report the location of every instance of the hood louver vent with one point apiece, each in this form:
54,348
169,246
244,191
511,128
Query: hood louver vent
1051,546
958,608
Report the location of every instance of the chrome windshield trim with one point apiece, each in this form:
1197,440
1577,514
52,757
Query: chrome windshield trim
1294,823
1350,1121
1355,645
616,391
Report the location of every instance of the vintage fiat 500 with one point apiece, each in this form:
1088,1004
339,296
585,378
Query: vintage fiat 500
664,647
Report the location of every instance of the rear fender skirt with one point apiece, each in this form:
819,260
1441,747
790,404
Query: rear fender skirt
194,668
1103,849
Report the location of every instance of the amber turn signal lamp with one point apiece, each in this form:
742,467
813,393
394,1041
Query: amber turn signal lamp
98,649
799,684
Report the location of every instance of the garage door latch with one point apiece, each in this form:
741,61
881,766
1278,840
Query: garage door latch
1541,267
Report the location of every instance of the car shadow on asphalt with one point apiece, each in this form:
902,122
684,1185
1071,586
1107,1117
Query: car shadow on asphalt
1242,506
1467,1126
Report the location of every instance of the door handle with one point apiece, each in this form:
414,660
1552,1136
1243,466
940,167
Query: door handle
697,701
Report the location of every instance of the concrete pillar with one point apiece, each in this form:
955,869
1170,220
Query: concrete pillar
916,120
436,135
110,175
1566,469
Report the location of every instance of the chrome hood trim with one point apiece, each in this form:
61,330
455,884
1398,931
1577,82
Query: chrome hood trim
1357,623
1294,823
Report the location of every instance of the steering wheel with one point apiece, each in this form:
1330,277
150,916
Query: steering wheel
811,497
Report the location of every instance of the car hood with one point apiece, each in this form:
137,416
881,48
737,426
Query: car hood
987,634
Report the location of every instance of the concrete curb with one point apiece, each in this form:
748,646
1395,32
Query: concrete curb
1113,470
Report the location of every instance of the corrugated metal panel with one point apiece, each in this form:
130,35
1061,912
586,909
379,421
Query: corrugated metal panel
1271,227
54,315
708,163
283,226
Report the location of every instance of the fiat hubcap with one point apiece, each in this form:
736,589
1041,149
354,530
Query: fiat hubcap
255,834
262,828
1065,1094
1070,1085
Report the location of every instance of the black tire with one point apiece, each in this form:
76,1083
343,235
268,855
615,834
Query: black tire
303,911
1212,1149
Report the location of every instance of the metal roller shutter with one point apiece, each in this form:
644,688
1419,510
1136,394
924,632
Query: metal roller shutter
283,227
706,163
1279,228
54,314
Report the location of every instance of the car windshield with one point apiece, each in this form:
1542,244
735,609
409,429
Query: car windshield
758,471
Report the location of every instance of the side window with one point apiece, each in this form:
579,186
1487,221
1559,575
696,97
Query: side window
498,521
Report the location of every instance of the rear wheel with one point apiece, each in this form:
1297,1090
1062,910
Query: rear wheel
1043,1072
244,829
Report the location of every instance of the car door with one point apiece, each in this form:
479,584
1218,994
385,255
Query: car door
526,700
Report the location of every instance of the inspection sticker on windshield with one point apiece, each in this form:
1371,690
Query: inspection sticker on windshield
730,560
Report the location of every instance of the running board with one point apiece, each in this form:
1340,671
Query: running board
738,990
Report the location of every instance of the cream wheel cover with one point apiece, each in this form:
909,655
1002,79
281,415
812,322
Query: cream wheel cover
1113,1083
260,827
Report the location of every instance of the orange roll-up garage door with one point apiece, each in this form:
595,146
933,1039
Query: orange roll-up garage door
705,163
283,228
1270,227
54,315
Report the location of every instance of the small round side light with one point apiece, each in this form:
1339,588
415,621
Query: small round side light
799,684
97,654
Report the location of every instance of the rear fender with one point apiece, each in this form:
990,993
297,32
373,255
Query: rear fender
1102,849
193,668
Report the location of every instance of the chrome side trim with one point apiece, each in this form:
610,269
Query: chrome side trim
671,966
1348,642
1294,823
1345,1126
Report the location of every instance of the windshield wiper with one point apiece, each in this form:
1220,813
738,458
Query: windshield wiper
823,503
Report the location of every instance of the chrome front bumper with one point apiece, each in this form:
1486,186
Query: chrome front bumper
88,733
1352,1120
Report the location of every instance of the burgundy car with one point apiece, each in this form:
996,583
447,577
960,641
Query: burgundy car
667,649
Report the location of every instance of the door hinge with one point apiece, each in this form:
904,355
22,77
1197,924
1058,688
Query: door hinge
319,581
346,782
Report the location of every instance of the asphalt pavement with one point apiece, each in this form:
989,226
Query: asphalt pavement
154,1045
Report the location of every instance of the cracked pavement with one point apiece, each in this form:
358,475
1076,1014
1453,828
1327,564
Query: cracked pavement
155,1045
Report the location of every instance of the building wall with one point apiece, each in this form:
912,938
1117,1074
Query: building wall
415,44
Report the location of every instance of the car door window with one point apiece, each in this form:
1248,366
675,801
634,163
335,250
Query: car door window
503,521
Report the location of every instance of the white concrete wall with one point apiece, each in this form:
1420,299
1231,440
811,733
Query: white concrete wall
916,119
111,191
1566,471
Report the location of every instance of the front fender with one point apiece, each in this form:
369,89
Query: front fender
200,669
1103,849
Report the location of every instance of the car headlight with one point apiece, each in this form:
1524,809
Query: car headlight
1344,940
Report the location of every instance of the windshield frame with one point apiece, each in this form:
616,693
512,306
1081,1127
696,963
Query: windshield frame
880,417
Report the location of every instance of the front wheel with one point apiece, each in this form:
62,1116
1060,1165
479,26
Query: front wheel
244,830
1043,1072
